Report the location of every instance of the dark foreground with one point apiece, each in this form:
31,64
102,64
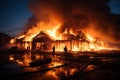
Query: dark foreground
62,66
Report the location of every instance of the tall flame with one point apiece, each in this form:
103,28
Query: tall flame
53,33
51,28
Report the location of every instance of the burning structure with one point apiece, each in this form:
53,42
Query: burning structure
72,25
78,24
74,42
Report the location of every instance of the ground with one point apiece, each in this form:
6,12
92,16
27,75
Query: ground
102,65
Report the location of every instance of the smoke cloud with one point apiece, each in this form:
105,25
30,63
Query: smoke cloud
92,15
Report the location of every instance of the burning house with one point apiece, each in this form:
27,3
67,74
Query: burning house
42,41
73,42
66,23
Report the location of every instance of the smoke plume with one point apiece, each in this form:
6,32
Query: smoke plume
92,15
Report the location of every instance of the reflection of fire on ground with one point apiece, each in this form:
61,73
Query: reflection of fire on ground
63,72
54,73
26,59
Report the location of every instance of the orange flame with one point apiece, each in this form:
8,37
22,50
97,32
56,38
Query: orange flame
53,33
50,28
11,58
12,41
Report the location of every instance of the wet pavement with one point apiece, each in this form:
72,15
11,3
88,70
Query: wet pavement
64,66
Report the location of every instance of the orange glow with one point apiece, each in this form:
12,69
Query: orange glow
66,31
89,45
27,45
71,32
30,37
25,62
75,40
11,58
22,36
27,59
90,38
54,64
12,41
90,67
37,57
72,71
53,74
75,48
20,62
53,33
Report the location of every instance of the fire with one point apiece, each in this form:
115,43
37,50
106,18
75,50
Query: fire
71,32
53,33
30,37
75,48
66,31
90,38
35,30
75,40
12,41
11,58
22,36
77,45
95,44
54,64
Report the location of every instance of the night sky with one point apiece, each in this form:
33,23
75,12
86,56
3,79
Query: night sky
14,14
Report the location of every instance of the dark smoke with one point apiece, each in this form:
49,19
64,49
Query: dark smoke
76,14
